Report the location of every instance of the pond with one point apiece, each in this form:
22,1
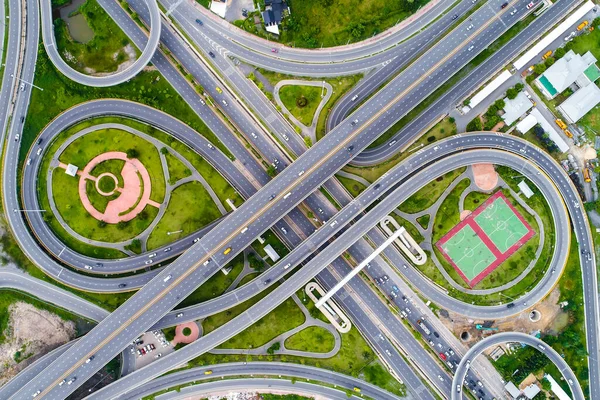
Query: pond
78,27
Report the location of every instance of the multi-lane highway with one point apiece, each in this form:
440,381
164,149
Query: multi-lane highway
338,158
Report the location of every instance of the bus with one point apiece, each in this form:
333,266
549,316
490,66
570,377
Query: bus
288,194
582,25
227,251
561,124
547,54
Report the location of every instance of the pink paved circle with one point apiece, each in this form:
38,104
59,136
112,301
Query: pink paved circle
114,178
181,338
132,190
464,214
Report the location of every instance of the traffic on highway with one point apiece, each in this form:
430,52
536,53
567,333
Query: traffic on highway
299,203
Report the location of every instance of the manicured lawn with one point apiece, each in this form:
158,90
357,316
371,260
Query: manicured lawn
85,148
474,200
293,97
410,228
8,297
424,220
284,317
355,188
66,198
329,23
109,302
215,285
177,169
340,86
310,306
104,52
440,131
313,338
60,93
429,194
189,209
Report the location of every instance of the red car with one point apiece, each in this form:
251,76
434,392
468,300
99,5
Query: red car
443,356
530,5
274,51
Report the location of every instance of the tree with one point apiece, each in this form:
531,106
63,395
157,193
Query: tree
512,93
519,86
474,125
559,53
164,151
500,104
539,68
549,61
132,153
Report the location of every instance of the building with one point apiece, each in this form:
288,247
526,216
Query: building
526,124
273,14
512,390
513,109
525,189
531,391
571,68
71,170
556,389
489,88
580,103
271,253
497,353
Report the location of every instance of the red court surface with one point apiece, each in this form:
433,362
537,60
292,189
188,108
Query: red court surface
485,239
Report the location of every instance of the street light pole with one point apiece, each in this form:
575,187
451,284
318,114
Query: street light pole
24,81
26,210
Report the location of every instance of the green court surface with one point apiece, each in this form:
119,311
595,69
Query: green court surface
468,252
501,225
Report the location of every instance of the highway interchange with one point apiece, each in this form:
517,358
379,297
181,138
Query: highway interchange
341,157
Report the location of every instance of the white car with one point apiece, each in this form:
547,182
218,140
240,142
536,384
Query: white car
513,12
471,48
354,97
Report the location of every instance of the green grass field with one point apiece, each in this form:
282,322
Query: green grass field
177,169
428,195
291,95
104,52
313,338
189,209
332,23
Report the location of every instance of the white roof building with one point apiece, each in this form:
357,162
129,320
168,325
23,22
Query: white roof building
512,390
489,88
580,103
271,252
525,189
71,170
558,391
219,8
526,124
513,109
564,72
531,391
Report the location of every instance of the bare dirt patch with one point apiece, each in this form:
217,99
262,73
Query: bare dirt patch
552,320
31,333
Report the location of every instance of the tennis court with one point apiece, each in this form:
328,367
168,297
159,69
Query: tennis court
486,238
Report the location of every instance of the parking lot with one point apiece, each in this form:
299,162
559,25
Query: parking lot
144,346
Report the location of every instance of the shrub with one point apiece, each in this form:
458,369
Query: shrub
132,153
474,125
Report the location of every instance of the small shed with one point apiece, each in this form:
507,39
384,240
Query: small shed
71,170
525,189
271,253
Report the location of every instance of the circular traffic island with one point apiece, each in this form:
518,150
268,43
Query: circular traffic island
98,192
